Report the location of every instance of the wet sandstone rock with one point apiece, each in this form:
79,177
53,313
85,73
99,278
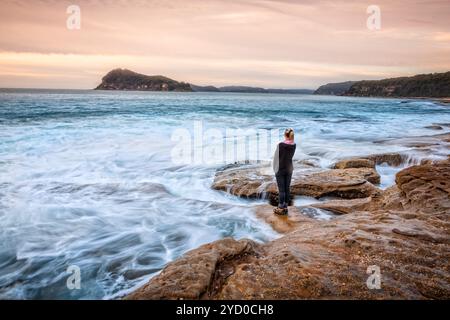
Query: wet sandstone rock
192,276
259,182
282,224
403,230
392,159
354,163
343,206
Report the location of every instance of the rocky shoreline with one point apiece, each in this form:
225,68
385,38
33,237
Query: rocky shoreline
433,85
403,230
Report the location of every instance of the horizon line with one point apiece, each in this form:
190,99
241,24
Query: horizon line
216,86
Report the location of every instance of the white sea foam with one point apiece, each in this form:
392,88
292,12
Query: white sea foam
86,178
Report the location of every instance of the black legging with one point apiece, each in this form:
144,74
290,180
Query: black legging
284,185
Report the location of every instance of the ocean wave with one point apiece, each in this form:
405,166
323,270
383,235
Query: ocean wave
87,178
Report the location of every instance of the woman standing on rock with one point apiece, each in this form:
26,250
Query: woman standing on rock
283,167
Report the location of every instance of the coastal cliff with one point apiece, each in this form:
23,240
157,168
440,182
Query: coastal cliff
434,85
123,79
402,231
334,89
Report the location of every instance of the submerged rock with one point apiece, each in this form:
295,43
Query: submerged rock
403,231
392,159
426,187
282,224
436,142
434,127
308,163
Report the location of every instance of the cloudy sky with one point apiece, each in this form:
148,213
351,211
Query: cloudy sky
268,43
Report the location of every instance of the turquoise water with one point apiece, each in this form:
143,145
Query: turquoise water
87,178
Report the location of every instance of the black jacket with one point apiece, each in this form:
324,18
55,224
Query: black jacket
282,160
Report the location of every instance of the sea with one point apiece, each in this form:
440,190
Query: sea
99,190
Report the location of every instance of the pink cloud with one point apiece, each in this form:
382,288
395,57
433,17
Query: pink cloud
414,38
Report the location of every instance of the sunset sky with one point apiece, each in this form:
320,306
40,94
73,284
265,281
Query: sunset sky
277,44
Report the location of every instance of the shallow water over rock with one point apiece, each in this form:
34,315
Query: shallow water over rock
86,178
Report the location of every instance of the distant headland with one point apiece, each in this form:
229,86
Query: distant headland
434,85
124,79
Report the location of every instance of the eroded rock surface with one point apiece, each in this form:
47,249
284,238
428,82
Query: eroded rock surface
194,275
282,224
404,230
354,163
259,182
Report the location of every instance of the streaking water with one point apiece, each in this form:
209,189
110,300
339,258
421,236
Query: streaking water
86,177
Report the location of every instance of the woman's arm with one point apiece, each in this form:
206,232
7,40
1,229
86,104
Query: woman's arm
276,159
